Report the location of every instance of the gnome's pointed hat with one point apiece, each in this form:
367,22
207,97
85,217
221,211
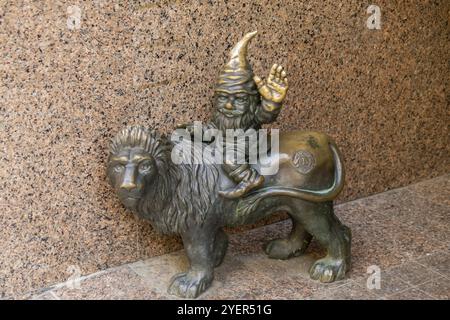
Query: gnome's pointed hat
237,74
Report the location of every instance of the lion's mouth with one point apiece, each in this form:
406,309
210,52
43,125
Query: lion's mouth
134,193
130,199
130,202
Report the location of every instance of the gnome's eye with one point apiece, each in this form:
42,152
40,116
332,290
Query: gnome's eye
222,98
241,99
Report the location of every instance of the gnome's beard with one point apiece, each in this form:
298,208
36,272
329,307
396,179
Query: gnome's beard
244,121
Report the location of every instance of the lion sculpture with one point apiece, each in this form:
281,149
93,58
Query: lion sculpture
184,199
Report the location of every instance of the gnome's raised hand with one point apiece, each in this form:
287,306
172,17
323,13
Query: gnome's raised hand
273,89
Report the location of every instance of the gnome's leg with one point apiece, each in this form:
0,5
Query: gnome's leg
244,175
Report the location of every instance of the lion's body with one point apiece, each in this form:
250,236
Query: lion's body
184,199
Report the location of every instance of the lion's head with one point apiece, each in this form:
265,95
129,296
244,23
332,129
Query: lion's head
148,183
136,156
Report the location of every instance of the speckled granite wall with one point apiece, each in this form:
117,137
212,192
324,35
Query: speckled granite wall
66,88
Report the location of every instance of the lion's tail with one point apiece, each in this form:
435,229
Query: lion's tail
249,203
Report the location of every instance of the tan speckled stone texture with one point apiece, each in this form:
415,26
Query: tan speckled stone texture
383,95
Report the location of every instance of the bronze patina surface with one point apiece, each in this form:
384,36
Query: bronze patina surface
197,200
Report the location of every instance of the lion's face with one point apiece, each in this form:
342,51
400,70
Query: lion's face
130,171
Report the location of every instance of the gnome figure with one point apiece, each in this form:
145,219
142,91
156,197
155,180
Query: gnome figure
245,101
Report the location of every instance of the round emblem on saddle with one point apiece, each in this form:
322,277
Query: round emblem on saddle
304,161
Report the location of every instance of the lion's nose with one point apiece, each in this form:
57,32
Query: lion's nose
128,182
128,185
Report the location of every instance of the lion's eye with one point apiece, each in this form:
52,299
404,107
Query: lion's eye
118,168
144,166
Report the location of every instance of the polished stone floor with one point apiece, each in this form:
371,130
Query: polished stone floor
402,236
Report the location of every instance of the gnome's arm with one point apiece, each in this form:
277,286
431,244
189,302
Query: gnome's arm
272,91
267,111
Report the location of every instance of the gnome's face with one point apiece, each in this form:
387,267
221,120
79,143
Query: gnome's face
234,110
232,105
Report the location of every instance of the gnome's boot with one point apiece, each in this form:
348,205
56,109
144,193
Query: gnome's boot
245,176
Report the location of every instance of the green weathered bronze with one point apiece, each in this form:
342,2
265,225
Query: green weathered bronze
197,200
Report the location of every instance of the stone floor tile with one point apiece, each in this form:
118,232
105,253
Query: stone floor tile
438,261
239,284
389,284
117,283
349,291
372,245
293,288
405,206
379,239
438,288
392,241
276,269
158,271
410,294
48,295
414,273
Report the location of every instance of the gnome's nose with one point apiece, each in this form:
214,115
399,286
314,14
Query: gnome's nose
229,106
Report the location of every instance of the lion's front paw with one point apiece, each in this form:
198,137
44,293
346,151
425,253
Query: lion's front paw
189,285
328,269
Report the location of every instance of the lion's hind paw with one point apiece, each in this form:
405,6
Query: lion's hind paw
189,285
328,269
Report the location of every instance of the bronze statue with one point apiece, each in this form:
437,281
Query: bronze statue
196,200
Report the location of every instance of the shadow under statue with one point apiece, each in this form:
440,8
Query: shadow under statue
189,199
